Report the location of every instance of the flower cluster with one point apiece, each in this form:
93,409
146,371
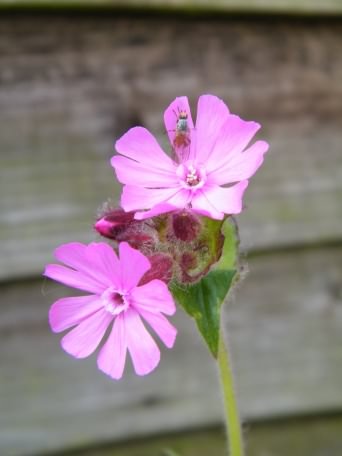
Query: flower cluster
162,234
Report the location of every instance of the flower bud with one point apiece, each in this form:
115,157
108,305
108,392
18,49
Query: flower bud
195,257
161,268
112,223
181,246
188,264
121,226
185,225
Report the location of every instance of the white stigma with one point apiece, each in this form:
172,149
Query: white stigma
192,178
113,301
191,175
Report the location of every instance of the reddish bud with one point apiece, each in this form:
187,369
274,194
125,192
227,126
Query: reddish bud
181,246
113,223
191,268
121,226
161,268
138,240
186,226
188,261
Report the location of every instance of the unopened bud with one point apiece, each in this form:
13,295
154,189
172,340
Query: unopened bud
161,268
185,225
111,224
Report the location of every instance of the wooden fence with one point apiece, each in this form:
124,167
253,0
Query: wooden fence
71,82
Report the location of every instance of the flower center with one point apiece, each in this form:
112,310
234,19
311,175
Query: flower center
191,175
113,301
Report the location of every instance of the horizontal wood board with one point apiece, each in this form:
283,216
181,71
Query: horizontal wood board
307,7
297,437
70,86
284,327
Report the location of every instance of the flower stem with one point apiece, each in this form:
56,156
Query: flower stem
233,424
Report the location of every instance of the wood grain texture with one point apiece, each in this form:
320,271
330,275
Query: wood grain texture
297,437
70,86
285,332
307,7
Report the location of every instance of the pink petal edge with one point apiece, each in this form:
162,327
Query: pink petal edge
83,340
112,357
140,145
212,113
161,326
144,351
242,166
144,174
154,296
72,278
133,266
68,312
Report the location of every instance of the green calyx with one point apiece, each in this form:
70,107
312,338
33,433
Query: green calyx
203,300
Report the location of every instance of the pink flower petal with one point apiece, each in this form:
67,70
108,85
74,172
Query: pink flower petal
154,296
233,137
96,261
159,209
224,200
144,175
172,113
67,312
241,166
202,205
144,351
73,278
135,198
112,357
212,113
161,326
178,201
140,145
71,254
133,266
104,261
83,340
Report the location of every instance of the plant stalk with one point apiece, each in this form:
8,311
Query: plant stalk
233,424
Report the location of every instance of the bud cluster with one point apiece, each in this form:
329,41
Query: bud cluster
181,246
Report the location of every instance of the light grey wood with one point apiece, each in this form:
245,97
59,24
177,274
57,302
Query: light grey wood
301,437
308,7
284,326
69,88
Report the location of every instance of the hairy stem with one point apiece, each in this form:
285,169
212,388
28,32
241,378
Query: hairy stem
233,424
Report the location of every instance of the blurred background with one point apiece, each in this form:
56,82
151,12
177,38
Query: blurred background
76,75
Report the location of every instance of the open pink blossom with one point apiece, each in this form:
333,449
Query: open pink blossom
210,168
115,299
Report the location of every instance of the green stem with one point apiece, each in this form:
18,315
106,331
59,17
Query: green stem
233,424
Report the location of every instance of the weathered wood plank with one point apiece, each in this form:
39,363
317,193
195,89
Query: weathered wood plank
307,7
285,334
301,437
69,88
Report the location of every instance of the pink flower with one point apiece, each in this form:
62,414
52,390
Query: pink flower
211,165
115,297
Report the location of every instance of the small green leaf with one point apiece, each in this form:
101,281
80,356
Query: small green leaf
203,300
